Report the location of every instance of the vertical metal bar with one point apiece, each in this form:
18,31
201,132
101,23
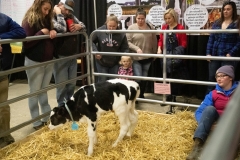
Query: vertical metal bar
164,62
91,56
95,13
88,59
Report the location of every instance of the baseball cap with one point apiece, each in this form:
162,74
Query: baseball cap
68,4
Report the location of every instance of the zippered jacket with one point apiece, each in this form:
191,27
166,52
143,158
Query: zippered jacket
217,98
8,30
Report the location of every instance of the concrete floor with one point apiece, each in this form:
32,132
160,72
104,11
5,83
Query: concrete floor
20,111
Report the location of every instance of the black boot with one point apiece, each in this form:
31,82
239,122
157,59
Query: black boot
142,88
4,141
169,99
196,151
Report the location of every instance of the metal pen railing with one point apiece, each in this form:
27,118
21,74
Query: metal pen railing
164,56
15,70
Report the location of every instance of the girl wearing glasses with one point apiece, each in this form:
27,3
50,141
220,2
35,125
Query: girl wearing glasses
213,107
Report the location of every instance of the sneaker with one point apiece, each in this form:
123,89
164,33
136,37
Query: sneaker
9,139
3,143
39,127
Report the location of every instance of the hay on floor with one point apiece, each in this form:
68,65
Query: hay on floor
157,136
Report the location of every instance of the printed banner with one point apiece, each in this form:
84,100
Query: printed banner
193,14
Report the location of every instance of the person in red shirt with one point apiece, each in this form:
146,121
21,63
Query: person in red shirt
171,20
176,44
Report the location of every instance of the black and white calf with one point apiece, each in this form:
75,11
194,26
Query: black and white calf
90,101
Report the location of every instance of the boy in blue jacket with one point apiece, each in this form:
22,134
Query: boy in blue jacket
212,107
8,30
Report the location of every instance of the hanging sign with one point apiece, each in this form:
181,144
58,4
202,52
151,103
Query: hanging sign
155,15
196,16
115,9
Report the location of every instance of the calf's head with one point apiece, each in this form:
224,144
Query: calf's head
57,117
60,115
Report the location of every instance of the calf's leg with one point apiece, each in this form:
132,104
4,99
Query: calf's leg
92,136
133,117
124,127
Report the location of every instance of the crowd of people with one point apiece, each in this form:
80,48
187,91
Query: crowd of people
43,18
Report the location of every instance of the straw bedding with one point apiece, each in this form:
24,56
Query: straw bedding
157,136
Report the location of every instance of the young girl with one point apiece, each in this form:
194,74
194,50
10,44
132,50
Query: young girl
126,66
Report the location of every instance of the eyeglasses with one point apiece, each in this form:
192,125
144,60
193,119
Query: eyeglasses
220,76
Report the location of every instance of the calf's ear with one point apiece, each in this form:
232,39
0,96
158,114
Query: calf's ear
55,109
61,111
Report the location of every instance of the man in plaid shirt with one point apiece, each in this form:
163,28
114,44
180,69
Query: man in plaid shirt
65,46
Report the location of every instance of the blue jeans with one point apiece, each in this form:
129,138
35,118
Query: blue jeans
140,69
208,118
107,70
65,70
38,78
213,67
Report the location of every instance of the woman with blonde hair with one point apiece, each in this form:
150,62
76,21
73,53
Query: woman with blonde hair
38,21
109,42
176,44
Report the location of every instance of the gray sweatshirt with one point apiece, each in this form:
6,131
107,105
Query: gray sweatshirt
105,42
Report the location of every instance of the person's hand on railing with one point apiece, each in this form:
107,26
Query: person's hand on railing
139,51
98,56
53,34
159,51
209,59
228,55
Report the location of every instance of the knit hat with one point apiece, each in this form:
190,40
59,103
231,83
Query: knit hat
228,70
68,4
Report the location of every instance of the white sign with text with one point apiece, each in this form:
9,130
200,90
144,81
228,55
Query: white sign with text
116,10
155,15
196,16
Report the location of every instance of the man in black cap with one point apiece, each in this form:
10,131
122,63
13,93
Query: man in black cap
212,107
65,46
